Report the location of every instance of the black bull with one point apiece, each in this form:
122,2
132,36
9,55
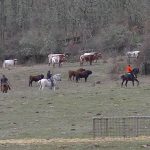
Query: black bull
83,74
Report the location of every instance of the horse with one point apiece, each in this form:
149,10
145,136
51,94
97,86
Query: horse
47,83
129,77
83,74
35,78
5,88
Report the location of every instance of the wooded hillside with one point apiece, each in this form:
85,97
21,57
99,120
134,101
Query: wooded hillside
38,27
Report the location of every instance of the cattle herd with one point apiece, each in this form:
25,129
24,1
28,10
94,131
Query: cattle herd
59,59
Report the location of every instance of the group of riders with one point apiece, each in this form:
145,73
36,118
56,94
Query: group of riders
5,82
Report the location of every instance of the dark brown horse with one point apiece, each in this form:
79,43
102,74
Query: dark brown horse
129,77
5,87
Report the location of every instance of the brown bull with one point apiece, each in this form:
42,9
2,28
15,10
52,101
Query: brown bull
35,78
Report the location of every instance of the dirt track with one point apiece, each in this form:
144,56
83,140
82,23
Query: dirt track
68,141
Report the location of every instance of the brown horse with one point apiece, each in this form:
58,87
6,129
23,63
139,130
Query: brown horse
129,77
5,87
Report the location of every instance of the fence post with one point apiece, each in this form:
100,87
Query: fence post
124,128
137,126
94,128
106,126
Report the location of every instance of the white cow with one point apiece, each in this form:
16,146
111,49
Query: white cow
133,54
9,63
47,83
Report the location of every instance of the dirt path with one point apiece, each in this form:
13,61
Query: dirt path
68,141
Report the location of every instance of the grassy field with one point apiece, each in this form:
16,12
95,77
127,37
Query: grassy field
26,112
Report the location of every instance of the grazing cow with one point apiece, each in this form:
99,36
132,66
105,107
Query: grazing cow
47,83
90,57
9,63
83,74
56,59
72,73
35,78
133,54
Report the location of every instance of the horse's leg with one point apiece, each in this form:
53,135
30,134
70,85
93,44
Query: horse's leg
133,82
43,87
137,81
126,83
54,88
40,86
122,83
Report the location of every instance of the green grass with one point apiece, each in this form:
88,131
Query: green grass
89,146
26,112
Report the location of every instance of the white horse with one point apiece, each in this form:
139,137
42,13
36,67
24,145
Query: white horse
9,63
47,83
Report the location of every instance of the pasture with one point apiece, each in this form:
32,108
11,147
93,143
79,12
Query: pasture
27,112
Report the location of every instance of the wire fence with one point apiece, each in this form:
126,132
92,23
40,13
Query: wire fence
132,126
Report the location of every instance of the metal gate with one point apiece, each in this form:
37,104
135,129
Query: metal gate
132,126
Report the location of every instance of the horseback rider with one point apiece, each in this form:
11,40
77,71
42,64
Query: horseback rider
50,77
129,70
4,81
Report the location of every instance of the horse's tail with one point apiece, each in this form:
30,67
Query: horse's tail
122,76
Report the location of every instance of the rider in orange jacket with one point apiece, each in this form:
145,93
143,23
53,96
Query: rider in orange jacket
128,69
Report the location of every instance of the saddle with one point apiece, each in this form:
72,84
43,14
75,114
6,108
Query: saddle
129,75
52,82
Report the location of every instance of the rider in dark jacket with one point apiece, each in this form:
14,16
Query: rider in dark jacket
4,81
49,77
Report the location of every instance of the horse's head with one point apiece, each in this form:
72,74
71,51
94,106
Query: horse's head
57,77
135,71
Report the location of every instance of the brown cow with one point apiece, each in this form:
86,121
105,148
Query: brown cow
72,73
35,78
